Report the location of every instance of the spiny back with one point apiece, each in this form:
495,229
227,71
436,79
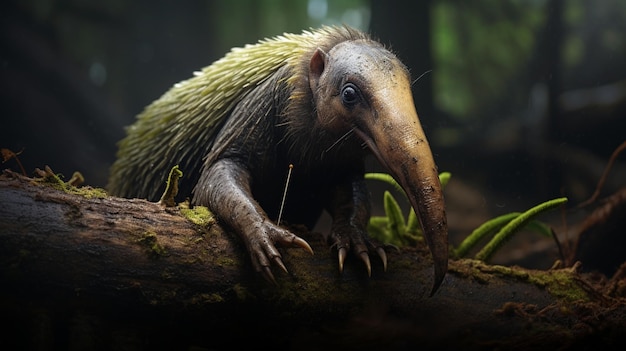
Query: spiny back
180,126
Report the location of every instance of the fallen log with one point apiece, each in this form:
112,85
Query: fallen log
84,270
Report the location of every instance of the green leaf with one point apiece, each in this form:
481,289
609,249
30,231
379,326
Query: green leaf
395,230
444,178
540,227
412,224
514,225
378,229
396,225
485,229
384,177
379,221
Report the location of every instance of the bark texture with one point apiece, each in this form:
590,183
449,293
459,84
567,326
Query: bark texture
83,270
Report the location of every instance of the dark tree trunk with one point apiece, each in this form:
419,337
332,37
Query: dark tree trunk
406,28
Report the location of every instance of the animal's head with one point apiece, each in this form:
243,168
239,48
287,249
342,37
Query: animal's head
361,87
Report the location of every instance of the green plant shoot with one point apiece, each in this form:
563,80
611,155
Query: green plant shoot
514,225
394,229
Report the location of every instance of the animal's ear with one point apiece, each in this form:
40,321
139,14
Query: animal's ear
316,67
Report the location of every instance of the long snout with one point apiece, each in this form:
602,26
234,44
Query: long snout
397,139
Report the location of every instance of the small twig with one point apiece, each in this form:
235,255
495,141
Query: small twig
565,250
598,215
8,154
47,175
282,203
605,174
557,242
77,179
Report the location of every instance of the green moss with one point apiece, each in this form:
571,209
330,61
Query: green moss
199,215
49,178
201,299
91,193
149,240
561,283
225,261
564,284
471,269
84,191
243,294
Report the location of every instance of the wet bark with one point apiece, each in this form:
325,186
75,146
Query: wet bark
85,271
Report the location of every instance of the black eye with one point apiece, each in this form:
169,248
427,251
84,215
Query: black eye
349,95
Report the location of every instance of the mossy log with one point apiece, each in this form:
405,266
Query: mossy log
84,270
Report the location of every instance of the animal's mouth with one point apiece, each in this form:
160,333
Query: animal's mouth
371,145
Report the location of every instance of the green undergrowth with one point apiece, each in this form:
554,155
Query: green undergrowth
396,229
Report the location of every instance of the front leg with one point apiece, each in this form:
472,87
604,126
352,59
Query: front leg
349,207
225,189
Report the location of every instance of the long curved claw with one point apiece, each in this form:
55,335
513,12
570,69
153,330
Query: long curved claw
279,263
366,259
360,245
341,256
440,268
267,274
303,244
383,256
265,254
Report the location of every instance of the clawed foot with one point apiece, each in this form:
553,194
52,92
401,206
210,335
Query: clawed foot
343,252
361,246
261,245
264,254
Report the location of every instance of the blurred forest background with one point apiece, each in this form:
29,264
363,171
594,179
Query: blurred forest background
522,101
